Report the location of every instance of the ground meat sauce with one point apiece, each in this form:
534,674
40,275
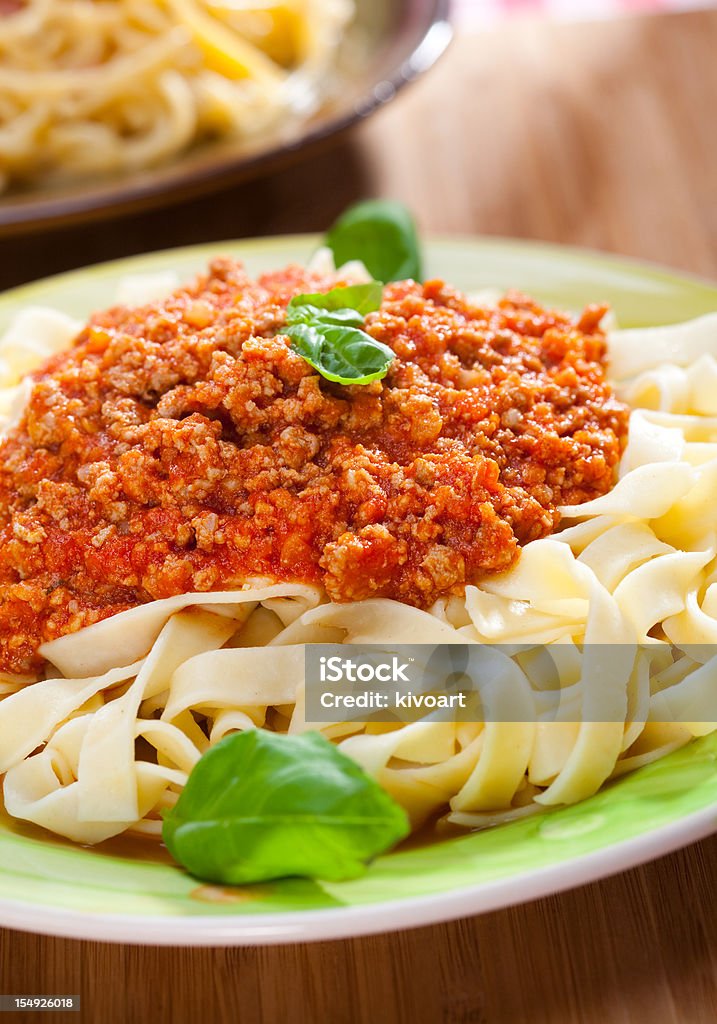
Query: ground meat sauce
184,447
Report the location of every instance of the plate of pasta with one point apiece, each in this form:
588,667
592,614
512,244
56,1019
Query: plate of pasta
216,458
111,106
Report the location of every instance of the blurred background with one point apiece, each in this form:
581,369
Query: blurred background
490,11
589,122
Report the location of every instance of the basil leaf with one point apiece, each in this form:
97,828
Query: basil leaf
358,298
382,234
315,315
260,805
344,355
325,331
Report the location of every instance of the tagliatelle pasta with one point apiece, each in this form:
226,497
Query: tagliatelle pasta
107,741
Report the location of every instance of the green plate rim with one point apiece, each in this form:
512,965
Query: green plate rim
312,240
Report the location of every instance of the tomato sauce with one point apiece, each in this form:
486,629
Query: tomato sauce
183,446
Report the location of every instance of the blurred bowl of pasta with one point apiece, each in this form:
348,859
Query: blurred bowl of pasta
108,106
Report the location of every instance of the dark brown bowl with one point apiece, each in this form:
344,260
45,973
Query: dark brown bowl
391,42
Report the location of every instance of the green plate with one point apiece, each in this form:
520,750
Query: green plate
127,891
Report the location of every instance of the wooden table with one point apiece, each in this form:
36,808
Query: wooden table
596,135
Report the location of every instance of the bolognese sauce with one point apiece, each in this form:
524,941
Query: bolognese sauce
184,446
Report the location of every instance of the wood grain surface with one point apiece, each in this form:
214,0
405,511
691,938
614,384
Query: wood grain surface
599,135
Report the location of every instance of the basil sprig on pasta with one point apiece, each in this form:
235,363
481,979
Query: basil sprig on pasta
260,805
382,234
326,331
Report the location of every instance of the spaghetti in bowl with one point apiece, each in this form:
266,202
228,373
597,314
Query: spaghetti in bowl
423,768
101,88
105,106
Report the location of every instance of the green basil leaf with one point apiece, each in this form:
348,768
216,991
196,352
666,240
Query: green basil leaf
315,315
260,805
359,299
382,234
344,355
